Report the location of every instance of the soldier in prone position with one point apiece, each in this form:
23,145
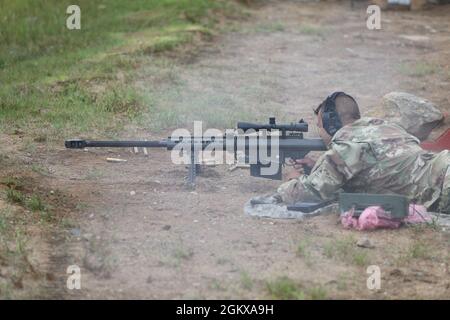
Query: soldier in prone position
368,155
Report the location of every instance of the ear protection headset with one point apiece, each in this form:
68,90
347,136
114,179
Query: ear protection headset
330,118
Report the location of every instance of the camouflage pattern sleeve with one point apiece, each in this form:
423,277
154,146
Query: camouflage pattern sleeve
334,168
338,165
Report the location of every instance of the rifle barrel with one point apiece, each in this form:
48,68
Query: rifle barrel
80,144
292,143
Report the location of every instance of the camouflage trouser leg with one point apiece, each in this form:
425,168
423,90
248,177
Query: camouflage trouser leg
294,190
444,199
288,191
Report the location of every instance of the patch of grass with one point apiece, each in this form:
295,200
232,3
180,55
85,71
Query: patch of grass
15,196
284,288
419,250
32,202
360,258
301,249
342,282
345,250
418,69
68,223
6,291
270,27
317,293
3,221
94,174
21,225
35,203
342,247
222,261
328,250
81,206
182,253
59,82
304,253
312,30
12,182
216,285
39,169
246,281
21,240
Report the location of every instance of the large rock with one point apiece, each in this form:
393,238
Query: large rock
418,116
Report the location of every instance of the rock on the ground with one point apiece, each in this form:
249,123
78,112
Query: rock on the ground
364,243
417,115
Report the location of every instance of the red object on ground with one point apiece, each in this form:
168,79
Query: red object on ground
441,143
376,218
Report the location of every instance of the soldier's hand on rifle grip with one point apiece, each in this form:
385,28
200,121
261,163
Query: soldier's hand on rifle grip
300,164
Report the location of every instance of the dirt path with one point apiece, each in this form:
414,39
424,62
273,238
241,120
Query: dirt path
169,242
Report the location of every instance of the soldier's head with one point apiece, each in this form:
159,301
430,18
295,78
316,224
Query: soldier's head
337,110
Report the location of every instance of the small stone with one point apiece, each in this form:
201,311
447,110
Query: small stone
87,236
52,192
167,227
365,243
76,232
396,273
93,262
132,193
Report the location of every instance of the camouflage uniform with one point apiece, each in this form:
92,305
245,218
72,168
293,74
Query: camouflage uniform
375,156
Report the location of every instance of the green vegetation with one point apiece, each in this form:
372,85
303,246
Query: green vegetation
419,250
346,250
246,281
14,196
301,249
284,288
304,253
318,293
419,69
312,30
270,27
35,203
13,249
57,81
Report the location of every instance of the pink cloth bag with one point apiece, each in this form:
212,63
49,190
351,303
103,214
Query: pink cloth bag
375,218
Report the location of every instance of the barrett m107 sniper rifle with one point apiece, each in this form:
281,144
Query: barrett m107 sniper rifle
265,146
